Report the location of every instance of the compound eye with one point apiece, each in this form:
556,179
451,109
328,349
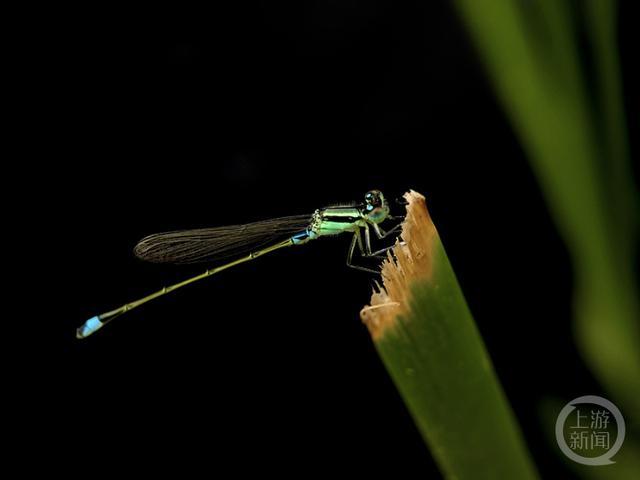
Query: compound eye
372,197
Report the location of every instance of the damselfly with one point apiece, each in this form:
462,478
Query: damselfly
252,240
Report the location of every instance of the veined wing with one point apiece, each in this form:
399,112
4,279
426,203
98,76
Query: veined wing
206,244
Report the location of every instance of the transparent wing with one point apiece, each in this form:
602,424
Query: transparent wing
206,244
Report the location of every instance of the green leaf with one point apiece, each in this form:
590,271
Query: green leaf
426,336
576,142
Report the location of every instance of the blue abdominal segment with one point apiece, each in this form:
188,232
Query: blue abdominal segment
303,237
89,327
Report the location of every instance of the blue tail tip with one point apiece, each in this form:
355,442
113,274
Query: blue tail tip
89,327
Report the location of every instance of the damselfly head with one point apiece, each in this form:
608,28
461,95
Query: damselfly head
376,206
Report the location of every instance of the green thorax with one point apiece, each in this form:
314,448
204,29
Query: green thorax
335,220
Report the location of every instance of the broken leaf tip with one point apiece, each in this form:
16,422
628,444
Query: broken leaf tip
409,261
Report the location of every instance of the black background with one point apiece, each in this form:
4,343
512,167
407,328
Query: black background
179,117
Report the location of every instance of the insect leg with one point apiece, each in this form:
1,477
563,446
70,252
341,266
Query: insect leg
357,240
380,233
